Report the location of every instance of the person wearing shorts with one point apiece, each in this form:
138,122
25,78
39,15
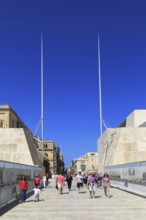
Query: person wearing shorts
79,179
60,182
91,182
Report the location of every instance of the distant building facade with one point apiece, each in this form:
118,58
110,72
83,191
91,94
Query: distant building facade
9,118
124,144
61,164
85,163
54,156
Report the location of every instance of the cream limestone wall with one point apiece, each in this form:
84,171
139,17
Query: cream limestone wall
92,161
136,118
13,146
16,146
104,142
16,140
126,146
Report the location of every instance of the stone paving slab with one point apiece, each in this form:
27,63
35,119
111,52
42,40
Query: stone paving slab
74,206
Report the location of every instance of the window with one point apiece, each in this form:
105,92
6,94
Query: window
18,125
45,146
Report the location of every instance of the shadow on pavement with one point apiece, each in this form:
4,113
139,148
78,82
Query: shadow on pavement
11,205
96,197
83,192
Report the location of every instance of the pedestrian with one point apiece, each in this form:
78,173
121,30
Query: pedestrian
37,180
85,177
79,180
23,187
69,181
44,180
91,182
60,182
100,177
36,193
106,185
47,179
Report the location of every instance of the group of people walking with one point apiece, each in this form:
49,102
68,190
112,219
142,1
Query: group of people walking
60,182
91,181
24,186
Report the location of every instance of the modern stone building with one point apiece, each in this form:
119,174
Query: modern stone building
85,163
124,144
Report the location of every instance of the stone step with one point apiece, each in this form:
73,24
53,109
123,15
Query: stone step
74,206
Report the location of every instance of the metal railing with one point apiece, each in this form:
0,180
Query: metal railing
134,172
10,172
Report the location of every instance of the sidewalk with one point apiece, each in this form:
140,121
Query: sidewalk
74,206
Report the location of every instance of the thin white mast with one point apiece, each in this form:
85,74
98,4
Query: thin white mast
100,99
42,98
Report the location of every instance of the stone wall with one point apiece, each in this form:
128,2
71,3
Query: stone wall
130,177
16,145
124,145
10,174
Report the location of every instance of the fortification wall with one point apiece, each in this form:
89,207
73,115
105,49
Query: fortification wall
17,145
130,177
122,145
10,174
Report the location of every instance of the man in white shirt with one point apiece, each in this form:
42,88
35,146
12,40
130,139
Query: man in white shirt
79,180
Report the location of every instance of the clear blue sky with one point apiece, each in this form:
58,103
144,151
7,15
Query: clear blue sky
70,28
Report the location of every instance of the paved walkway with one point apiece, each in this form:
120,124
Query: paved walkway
74,206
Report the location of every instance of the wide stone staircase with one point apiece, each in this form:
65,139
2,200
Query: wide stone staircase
74,206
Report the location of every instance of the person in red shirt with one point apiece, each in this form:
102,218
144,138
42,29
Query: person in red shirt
23,186
60,182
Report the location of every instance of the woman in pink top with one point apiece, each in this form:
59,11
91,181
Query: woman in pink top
60,182
106,185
